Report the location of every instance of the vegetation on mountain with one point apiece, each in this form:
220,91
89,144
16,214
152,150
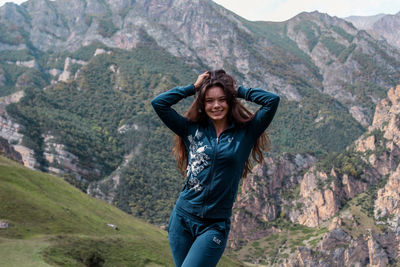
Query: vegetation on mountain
85,114
316,124
106,28
276,247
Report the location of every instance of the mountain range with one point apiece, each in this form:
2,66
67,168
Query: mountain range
382,27
77,77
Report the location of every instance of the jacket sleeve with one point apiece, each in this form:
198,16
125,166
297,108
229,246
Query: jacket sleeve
269,103
162,105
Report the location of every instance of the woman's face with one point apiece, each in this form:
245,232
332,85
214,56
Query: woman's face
216,105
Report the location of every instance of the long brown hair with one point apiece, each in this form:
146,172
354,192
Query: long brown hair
237,113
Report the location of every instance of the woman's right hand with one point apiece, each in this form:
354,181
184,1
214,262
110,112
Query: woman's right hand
200,79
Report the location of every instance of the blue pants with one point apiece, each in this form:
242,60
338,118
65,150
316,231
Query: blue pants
195,241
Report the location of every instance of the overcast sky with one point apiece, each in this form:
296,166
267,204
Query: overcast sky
280,10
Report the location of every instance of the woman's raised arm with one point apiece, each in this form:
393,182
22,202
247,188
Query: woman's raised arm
162,105
269,103
163,102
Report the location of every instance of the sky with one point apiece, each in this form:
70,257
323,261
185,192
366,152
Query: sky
280,10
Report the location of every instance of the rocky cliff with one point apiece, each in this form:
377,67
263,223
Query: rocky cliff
8,151
388,198
12,139
352,205
261,198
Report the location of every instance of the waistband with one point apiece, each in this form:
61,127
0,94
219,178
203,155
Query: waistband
184,213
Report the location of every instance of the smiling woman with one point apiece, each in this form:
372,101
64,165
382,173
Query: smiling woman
216,108
213,144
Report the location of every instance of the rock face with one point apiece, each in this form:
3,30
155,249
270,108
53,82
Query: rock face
372,161
387,204
8,151
383,27
28,64
337,248
377,254
9,129
378,151
337,64
62,162
260,199
387,27
66,74
10,136
319,203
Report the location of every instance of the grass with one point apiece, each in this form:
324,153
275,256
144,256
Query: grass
278,246
357,220
17,252
54,224
37,203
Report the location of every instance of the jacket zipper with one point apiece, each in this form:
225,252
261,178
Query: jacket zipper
212,174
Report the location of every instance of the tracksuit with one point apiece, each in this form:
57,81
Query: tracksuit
200,221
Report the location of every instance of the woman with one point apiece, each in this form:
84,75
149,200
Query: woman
214,141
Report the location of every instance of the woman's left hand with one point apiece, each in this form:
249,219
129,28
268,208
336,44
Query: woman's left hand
200,79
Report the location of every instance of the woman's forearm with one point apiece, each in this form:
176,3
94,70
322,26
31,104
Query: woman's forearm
162,105
269,104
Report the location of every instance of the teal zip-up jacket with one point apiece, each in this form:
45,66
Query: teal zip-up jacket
215,165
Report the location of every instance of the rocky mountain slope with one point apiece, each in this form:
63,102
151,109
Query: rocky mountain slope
350,203
382,27
364,22
325,53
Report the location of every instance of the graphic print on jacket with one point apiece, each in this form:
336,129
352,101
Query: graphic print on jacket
198,160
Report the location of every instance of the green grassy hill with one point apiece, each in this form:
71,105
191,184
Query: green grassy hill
53,223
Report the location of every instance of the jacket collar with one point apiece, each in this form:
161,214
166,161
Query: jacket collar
210,126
